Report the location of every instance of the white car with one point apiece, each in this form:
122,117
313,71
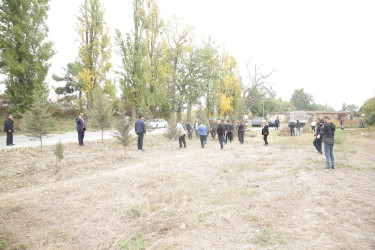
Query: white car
158,123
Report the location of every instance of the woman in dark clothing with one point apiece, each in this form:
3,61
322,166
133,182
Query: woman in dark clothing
265,133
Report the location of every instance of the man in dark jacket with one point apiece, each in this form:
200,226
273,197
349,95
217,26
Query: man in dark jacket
319,136
225,130
265,133
298,128
80,129
189,128
277,123
220,133
329,140
140,130
241,131
292,126
230,129
8,128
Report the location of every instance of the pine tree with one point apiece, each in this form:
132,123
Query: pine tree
171,130
101,112
24,51
122,133
38,120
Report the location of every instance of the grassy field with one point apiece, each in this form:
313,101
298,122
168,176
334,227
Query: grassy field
244,197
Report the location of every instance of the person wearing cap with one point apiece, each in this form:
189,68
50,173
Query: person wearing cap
140,130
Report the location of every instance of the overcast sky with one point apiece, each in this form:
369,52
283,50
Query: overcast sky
325,47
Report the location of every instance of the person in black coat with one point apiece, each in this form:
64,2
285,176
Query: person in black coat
8,128
292,125
265,133
81,128
319,136
230,129
220,133
140,130
189,128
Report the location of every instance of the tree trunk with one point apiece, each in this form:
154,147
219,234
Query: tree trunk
41,143
133,113
189,108
179,111
102,137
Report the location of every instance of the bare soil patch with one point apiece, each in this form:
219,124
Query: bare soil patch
244,197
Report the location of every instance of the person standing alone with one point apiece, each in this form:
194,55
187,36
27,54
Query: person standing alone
329,140
277,123
265,133
8,128
140,130
81,128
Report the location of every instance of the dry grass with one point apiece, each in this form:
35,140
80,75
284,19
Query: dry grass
244,197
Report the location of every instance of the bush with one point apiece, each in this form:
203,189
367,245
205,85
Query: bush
284,131
370,120
171,130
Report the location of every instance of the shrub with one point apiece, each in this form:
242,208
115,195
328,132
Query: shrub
171,130
370,120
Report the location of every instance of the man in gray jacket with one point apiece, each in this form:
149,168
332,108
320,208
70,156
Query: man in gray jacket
140,130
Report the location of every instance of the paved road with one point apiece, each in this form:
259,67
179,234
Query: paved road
23,141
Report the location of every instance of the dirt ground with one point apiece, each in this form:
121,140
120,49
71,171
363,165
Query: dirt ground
244,197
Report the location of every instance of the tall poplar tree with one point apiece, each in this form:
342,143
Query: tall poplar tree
24,50
94,49
132,49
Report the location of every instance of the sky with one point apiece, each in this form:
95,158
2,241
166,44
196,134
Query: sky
325,47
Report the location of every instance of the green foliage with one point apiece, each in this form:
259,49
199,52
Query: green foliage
101,113
58,150
369,106
370,120
136,242
301,100
38,120
94,50
122,133
24,53
171,130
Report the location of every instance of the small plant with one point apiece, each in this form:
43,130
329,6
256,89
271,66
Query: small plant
58,150
3,244
137,242
122,133
134,212
101,112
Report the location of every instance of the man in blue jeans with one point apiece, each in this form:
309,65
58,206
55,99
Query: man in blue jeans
298,128
329,140
220,133
202,130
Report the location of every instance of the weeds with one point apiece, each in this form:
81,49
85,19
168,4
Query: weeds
136,242
265,238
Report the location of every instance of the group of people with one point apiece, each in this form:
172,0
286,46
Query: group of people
224,131
295,128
